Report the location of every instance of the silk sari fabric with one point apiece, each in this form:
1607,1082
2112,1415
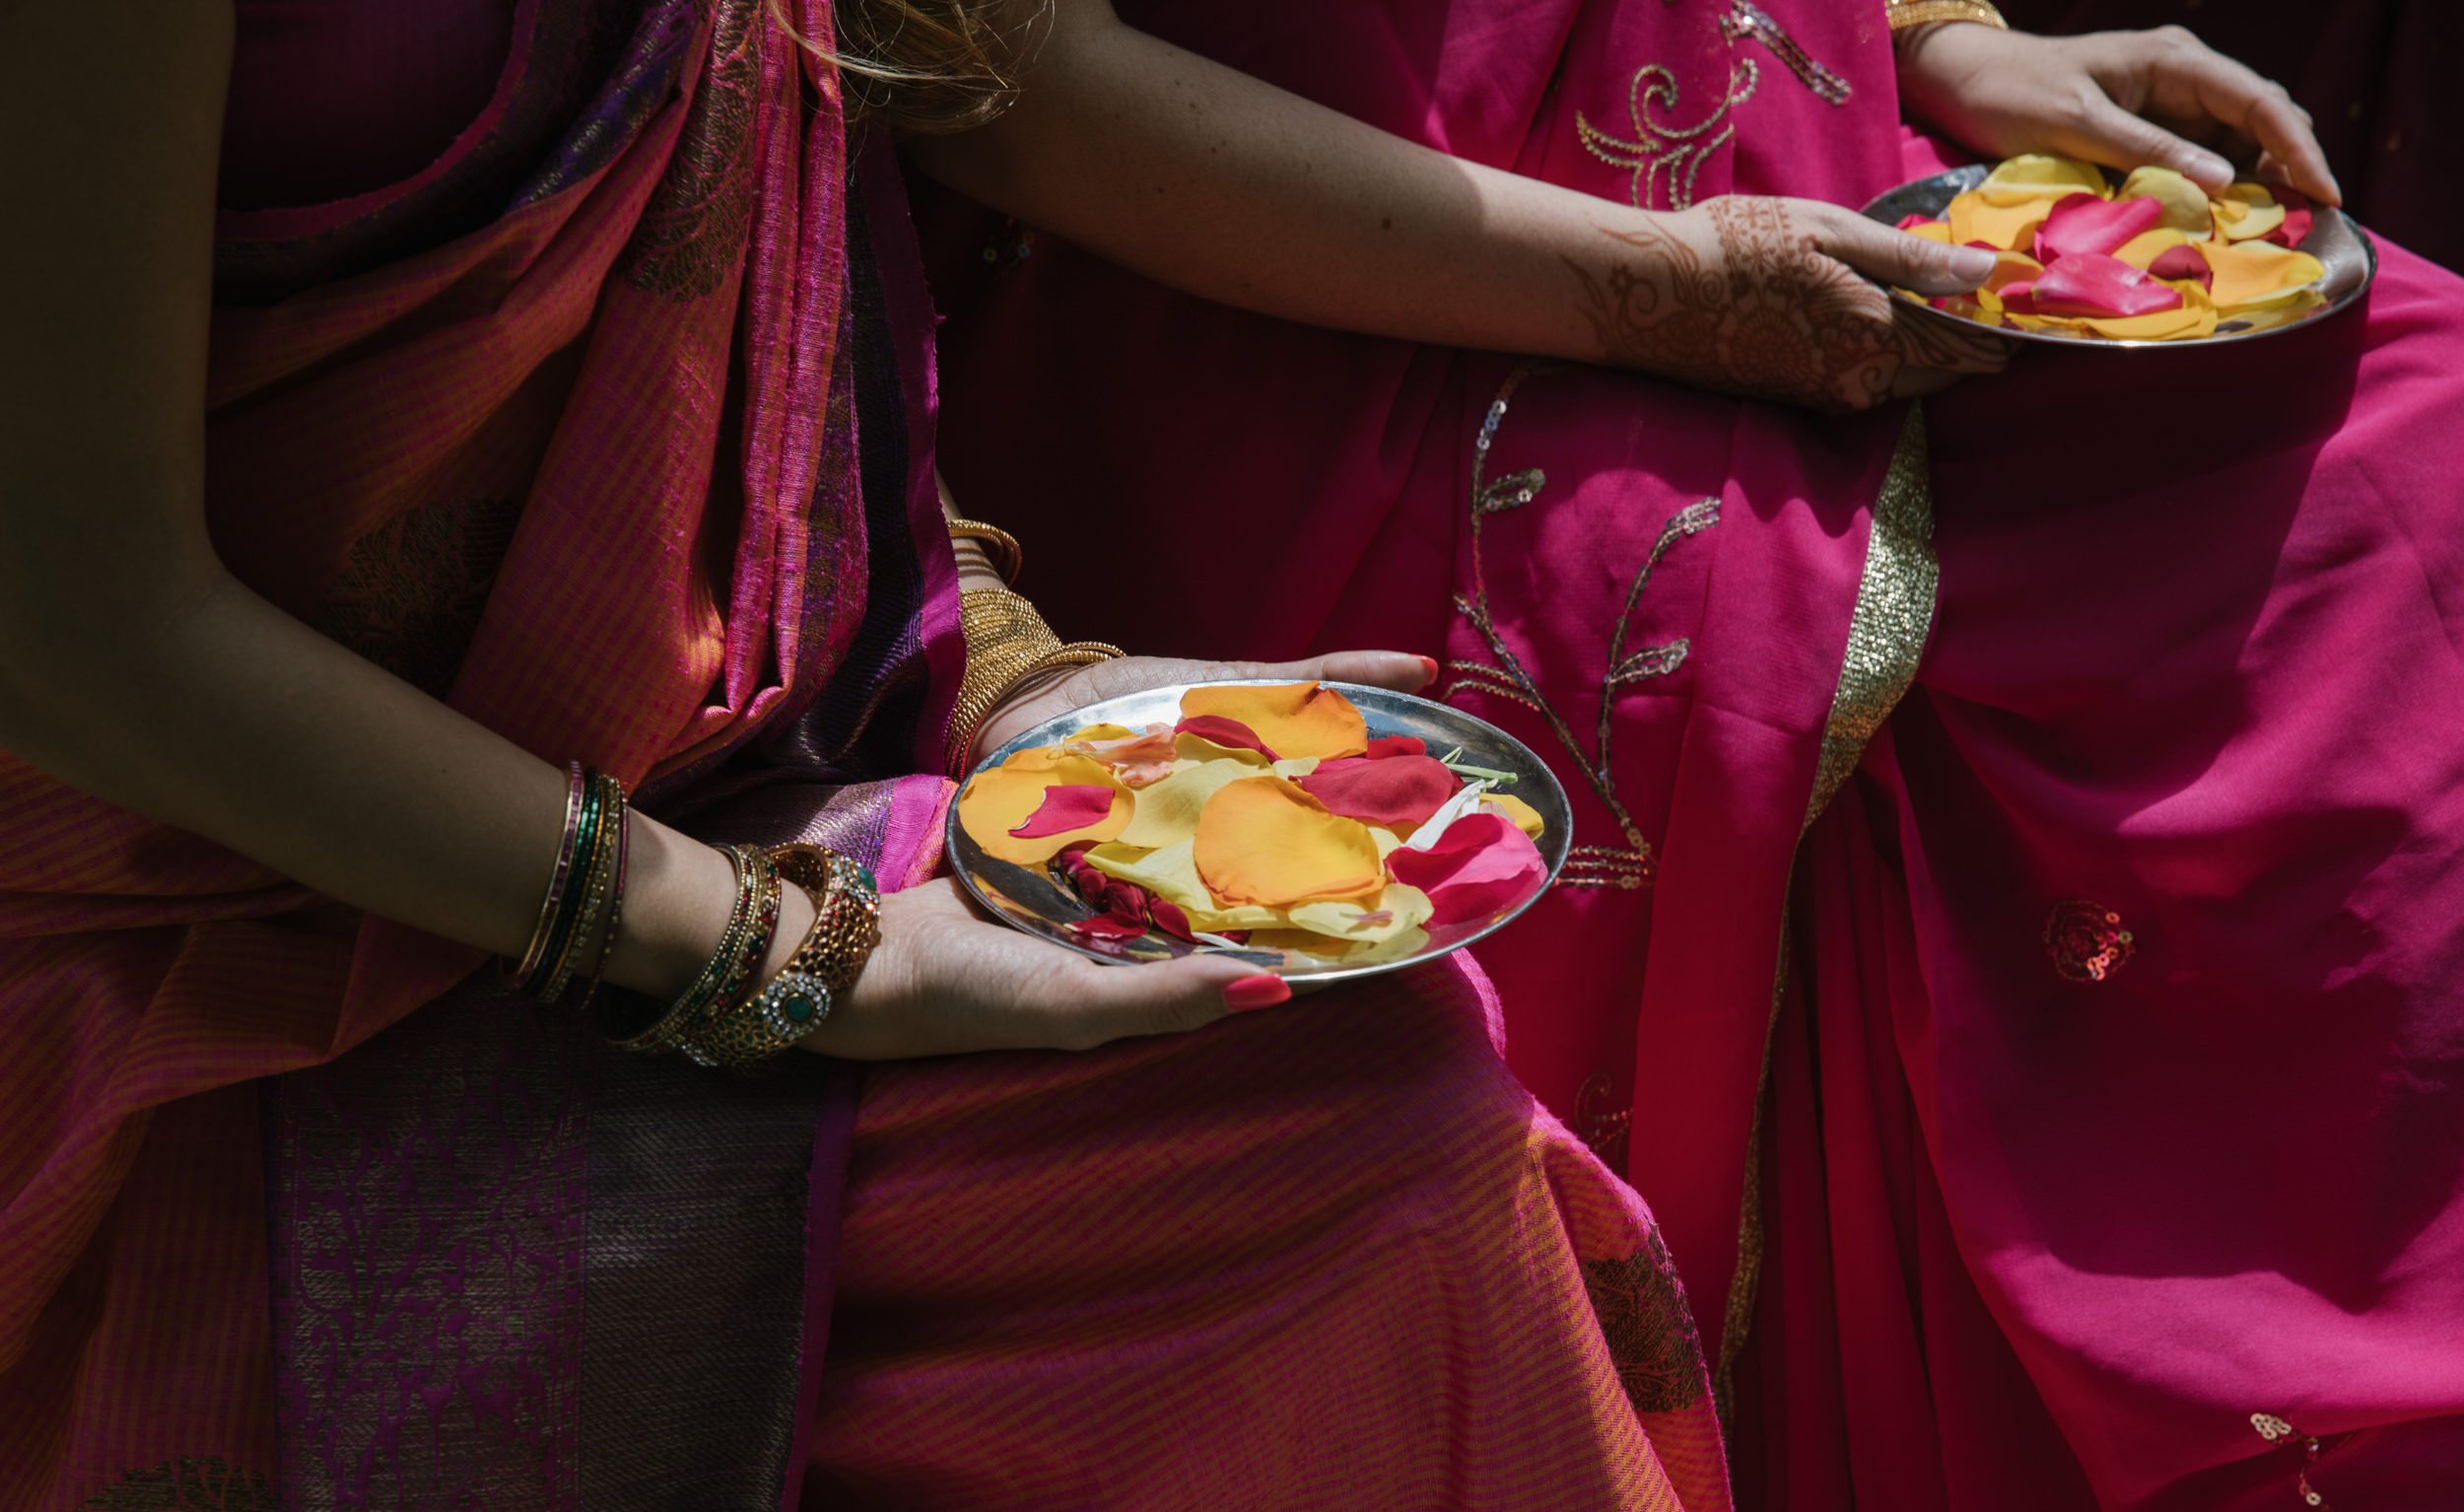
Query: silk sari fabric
614,426
1977,1226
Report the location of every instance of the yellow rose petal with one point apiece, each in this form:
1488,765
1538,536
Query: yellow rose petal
2011,227
2185,203
2261,219
2147,247
2040,177
1521,815
1300,719
2248,272
1396,909
1166,811
998,802
1262,840
1200,748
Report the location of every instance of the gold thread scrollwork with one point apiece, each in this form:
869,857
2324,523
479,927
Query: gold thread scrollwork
1663,154
1629,867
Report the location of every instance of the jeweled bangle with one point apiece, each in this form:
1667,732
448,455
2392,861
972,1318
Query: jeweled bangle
741,947
1000,548
1918,13
847,910
575,786
615,901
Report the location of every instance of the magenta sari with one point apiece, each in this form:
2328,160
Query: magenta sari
1986,1206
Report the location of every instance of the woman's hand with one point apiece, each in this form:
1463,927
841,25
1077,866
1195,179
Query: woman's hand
1761,297
947,981
2121,98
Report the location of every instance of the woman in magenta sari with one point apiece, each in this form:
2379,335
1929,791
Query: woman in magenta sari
554,383
2012,934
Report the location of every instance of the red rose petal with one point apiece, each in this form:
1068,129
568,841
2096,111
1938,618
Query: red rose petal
1480,864
1229,733
1169,917
2183,263
1393,746
1914,219
2083,223
1066,808
2091,284
1399,789
2298,219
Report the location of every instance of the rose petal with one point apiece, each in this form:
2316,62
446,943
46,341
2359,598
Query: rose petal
1170,918
1301,718
1396,745
2142,250
2090,284
1480,865
1264,841
1399,908
1401,789
2085,223
2298,219
1521,815
1931,231
2185,203
2183,263
2250,273
1067,808
1105,927
1005,798
1229,733
2000,227
2040,177
1167,812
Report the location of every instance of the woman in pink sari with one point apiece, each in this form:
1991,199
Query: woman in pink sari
554,383
2012,934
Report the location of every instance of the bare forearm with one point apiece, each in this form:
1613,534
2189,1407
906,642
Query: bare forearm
1227,187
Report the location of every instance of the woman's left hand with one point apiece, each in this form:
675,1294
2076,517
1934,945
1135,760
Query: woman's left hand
1086,685
2121,98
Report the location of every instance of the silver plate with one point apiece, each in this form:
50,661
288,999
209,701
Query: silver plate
2336,239
1035,901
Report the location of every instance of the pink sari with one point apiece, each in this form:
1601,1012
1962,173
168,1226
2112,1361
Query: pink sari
2009,1211
615,428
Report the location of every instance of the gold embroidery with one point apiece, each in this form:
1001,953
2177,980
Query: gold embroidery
2271,1428
1648,1326
1887,633
1665,154
1894,613
190,1483
1632,866
693,229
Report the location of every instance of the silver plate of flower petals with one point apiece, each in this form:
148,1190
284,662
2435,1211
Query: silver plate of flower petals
1037,901
2336,239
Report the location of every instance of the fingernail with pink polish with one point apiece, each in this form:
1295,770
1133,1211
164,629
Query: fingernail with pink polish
1259,992
1429,664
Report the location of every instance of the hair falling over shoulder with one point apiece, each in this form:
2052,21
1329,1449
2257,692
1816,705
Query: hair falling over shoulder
931,66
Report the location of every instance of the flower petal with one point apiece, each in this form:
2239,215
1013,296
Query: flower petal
2185,203
1220,729
2040,177
1264,841
1005,798
2000,227
1398,790
1480,865
1521,815
1167,812
2084,224
1068,808
2249,273
2183,263
1396,745
1399,908
1301,718
2088,284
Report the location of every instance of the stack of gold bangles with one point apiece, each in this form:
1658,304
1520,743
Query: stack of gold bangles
1007,642
1918,13
587,895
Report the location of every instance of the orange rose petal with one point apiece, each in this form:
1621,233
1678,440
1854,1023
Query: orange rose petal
2254,272
1262,840
1005,798
1299,719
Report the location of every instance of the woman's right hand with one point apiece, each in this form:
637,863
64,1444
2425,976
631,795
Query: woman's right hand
1761,297
945,981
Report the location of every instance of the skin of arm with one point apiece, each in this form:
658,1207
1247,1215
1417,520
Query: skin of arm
1227,187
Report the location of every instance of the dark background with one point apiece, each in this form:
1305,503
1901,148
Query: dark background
2381,77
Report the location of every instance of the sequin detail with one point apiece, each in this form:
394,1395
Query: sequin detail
1629,867
2279,1433
2088,944
1894,613
1664,156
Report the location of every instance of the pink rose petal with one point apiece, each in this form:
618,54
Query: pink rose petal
1481,864
2183,263
2298,219
1229,733
2091,284
2083,223
1064,809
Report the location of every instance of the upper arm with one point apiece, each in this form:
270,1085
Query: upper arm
112,117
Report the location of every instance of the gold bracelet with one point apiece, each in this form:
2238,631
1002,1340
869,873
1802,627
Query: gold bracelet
728,973
1007,642
846,928
1000,548
1918,13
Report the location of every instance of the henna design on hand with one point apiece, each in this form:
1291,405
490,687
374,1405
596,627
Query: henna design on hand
1764,315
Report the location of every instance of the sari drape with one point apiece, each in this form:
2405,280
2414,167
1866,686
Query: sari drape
1989,1200
615,428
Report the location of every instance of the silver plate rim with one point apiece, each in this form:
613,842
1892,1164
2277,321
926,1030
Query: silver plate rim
1385,712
